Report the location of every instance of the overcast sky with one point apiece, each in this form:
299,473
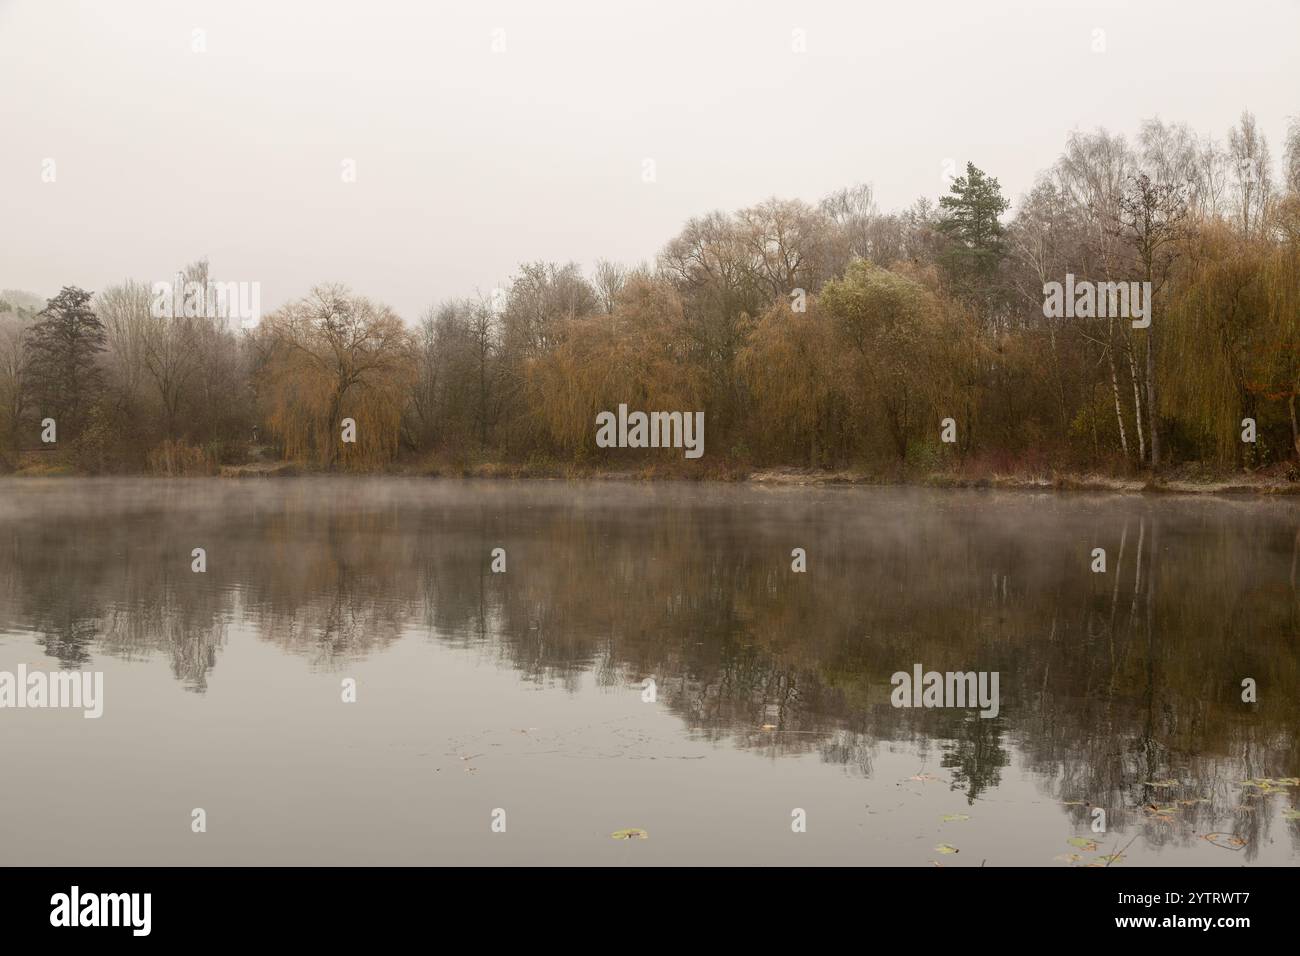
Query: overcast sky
469,161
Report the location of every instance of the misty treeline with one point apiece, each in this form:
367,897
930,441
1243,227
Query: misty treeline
826,335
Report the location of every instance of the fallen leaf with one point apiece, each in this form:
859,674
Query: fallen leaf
1225,840
955,817
631,834
945,848
1083,843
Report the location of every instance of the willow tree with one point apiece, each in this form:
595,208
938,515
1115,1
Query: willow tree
329,357
1279,354
903,350
633,356
1235,338
790,366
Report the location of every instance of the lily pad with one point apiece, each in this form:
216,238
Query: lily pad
630,834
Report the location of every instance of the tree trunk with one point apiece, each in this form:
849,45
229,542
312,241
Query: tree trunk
1295,425
1119,409
1151,400
1137,400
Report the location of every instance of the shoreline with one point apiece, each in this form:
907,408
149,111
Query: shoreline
1172,483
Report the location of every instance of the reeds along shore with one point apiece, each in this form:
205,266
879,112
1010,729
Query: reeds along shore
827,338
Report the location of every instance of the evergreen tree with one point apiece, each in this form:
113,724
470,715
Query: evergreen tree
970,220
62,349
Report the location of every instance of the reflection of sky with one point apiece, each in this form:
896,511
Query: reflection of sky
525,692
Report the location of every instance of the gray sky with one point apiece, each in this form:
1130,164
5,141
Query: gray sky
469,161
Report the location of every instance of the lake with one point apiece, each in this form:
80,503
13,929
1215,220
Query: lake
648,660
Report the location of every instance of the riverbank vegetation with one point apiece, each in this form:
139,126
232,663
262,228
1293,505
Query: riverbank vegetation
818,338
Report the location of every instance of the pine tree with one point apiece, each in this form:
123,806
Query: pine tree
62,350
970,219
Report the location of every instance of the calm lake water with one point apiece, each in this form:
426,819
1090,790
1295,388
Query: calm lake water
523,691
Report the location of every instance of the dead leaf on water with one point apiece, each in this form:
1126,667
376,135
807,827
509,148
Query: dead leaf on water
955,817
1225,840
1083,843
630,834
1068,857
945,848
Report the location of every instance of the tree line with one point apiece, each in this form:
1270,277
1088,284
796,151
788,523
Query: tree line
826,335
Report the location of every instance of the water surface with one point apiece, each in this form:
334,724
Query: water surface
523,691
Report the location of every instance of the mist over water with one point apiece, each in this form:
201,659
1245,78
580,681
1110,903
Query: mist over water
523,690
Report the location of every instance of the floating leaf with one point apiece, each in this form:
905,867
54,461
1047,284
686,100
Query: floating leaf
945,848
1107,859
924,777
1288,782
1083,843
1068,857
1291,813
1161,811
1225,840
632,834
1073,803
955,817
